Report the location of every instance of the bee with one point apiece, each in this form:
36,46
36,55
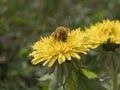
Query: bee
61,33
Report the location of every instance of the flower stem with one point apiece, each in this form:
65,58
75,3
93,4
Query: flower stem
114,80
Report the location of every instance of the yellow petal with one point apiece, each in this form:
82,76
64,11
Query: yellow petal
75,55
61,59
52,61
48,60
68,56
37,60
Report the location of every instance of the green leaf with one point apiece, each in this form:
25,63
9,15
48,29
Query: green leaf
89,74
89,84
71,85
45,86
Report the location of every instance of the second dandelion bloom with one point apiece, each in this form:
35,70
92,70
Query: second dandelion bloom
61,46
105,33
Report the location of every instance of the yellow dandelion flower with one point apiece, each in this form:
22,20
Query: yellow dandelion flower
102,33
50,49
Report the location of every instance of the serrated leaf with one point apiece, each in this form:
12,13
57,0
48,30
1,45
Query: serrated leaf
89,74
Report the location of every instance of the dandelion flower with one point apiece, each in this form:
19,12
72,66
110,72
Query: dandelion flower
106,36
107,32
49,50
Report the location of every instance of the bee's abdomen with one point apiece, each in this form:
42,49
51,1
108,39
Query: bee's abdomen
62,36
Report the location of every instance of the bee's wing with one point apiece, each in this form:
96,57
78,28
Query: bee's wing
67,22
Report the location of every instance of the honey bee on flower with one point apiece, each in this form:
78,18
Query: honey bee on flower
61,33
61,46
65,48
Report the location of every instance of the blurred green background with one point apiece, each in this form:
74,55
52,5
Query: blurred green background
22,22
